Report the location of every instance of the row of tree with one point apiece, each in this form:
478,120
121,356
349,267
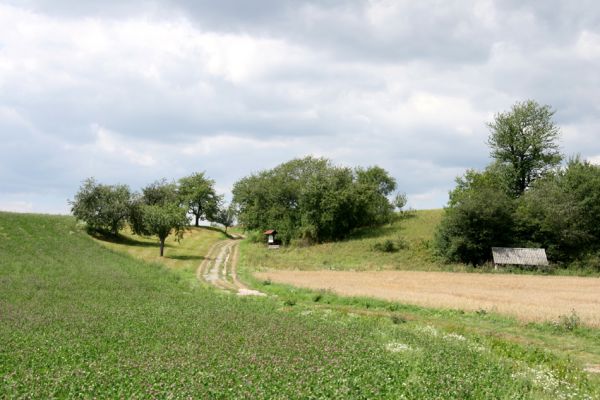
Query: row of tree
160,209
525,197
314,200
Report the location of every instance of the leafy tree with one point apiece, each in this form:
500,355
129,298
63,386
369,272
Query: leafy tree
158,212
226,216
160,192
311,199
198,194
104,208
400,201
162,220
561,212
525,140
479,217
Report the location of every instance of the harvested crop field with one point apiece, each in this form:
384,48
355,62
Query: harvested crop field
529,298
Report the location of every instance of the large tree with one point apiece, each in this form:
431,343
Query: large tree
158,212
104,208
197,193
479,216
163,220
561,212
525,139
312,199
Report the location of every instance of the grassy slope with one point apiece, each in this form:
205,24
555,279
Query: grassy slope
357,252
182,256
77,319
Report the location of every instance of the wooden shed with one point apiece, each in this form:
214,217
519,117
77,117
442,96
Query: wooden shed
519,256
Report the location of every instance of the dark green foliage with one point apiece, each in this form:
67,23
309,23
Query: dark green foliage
311,199
104,208
197,193
391,245
523,199
479,216
161,221
160,192
525,140
562,212
158,212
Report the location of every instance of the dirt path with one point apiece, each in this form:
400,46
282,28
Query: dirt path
528,297
219,268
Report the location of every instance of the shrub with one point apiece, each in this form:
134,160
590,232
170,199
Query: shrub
568,322
398,319
290,302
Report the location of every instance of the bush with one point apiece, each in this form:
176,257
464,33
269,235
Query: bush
398,319
290,302
390,246
255,237
568,322
387,246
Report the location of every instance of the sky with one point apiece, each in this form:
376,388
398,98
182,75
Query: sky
131,92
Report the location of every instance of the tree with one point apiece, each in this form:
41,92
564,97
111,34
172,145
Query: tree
226,216
312,199
160,192
197,193
161,220
525,139
477,220
561,212
158,212
104,208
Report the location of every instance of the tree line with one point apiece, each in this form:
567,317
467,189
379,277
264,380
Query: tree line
309,199
160,209
526,197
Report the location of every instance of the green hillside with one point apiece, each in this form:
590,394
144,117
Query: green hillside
412,237
80,320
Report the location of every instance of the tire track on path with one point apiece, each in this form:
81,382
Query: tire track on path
219,268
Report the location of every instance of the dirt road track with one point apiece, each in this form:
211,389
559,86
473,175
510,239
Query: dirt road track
219,268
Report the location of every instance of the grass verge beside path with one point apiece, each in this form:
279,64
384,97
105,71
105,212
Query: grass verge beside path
182,256
80,320
559,345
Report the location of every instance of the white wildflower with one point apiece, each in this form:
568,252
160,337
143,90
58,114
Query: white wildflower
396,347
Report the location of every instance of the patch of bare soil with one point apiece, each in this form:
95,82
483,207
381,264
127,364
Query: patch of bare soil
527,297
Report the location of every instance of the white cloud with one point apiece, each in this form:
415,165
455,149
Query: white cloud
134,93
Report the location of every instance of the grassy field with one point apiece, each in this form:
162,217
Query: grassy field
357,253
182,256
78,319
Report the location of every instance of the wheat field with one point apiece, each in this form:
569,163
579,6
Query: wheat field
529,298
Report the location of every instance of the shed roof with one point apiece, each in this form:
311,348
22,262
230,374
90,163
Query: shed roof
517,256
270,232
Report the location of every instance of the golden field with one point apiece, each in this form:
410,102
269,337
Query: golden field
527,297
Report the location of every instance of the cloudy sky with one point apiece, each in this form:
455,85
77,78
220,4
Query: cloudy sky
129,92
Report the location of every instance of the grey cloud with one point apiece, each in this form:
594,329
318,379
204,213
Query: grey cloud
410,91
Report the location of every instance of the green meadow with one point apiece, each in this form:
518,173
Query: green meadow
84,319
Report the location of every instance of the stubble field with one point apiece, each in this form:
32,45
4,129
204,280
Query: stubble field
527,297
